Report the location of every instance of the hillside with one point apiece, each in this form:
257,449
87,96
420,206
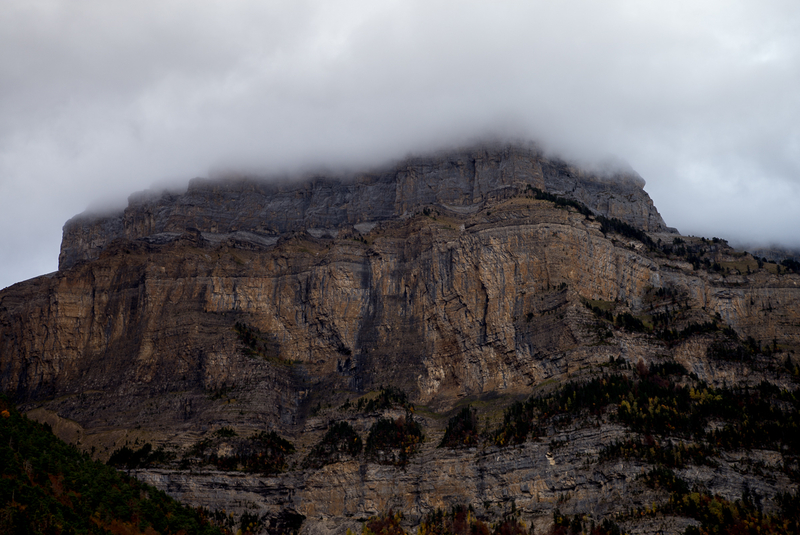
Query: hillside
48,486
258,331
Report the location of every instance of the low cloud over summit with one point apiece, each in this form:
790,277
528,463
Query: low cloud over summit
103,99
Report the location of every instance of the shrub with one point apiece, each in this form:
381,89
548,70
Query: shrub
394,441
522,419
510,526
387,398
263,452
718,515
266,453
257,344
729,350
126,457
652,452
340,439
460,521
462,430
629,322
664,478
385,524
225,432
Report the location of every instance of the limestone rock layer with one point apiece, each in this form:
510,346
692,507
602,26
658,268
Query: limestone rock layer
260,210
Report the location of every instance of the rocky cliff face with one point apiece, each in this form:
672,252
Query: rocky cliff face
447,278
538,477
259,211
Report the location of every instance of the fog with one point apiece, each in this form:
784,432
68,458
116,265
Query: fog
102,99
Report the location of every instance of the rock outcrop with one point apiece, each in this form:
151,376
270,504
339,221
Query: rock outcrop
557,472
259,210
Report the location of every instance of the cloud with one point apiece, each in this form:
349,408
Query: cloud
103,99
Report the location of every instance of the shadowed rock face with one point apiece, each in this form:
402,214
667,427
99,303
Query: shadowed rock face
443,277
260,210
536,477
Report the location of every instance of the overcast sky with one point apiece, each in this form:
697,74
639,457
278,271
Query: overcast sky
100,99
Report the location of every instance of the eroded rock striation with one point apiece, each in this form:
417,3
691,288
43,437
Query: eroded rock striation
259,210
253,305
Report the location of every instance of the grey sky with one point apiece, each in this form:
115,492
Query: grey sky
100,99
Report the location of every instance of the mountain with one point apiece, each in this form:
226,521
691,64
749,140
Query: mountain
259,329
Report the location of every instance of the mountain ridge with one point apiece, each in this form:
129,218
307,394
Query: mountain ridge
260,209
170,325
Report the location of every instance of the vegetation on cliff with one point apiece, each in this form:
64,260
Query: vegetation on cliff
48,486
339,441
462,430
717,515
263,452
459,521
653,451
701,253
256,343
653,403
130,458
386,397
462,520
394,441
607,224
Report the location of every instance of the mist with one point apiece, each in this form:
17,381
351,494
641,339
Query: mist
100,100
